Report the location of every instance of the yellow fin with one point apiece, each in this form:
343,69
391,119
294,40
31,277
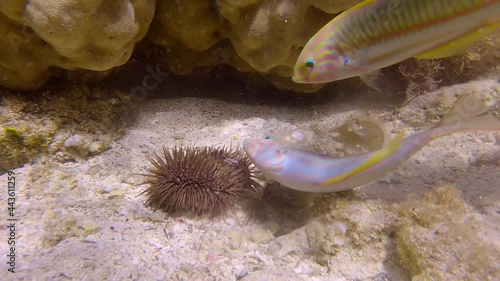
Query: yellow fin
466,107
347,13
362,4
380,155
460,44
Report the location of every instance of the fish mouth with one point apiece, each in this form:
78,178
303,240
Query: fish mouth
299,79
245,143
248,147
302,76
297,74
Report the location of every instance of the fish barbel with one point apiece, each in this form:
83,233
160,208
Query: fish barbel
378,33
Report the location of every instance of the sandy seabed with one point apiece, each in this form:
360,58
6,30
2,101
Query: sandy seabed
84,220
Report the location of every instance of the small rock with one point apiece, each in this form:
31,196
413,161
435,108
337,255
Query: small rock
339,240
77,146
274,248
108,189
315,233
260,235
272,226
93,170
240,271
96,148
234,239
178,136
339,228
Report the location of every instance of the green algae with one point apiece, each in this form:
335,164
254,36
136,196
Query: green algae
38,123
441,230
17,146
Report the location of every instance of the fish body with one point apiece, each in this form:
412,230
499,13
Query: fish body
378,33
309,171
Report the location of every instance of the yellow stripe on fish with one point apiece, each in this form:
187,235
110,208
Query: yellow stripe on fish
309,171
378,33
459,45
380,155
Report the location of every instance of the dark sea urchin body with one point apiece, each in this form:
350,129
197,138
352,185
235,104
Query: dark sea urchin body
202,180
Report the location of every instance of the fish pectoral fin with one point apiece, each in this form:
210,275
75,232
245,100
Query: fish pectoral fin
371,78
380,155
460,44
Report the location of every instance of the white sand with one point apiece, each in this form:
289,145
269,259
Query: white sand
84,221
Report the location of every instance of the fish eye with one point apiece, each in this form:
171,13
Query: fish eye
347,61
268,137
309,63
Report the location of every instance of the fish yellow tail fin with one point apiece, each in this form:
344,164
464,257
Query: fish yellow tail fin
469,114
466,107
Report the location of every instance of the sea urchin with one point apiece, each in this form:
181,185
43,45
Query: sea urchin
201,180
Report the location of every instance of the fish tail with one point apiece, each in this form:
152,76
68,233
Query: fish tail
469,114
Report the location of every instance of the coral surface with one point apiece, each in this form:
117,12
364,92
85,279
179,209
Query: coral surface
251,35
40,38
92,34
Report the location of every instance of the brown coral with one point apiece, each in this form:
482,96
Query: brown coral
40,39
95,35
251,35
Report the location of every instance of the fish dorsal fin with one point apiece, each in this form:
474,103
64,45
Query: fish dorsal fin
378,156
347,12
460,44
466,107
364,3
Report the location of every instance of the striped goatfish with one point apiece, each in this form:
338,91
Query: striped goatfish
305,170
378,33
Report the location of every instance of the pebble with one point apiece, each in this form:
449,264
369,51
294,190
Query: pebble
339,240
339,228
108,188
93,170
241,272
179,136
234,239
260,235
272,226
77,146
315,233
97,147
